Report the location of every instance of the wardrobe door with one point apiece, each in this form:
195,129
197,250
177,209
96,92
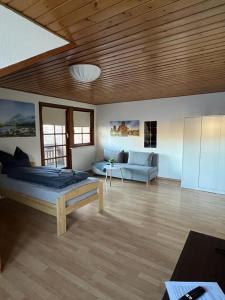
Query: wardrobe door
221,169
210,150
191,152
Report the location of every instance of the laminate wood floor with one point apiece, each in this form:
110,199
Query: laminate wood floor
126,253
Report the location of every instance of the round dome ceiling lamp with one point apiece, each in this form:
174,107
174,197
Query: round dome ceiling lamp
85,72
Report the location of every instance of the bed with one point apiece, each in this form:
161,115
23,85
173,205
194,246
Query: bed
56,202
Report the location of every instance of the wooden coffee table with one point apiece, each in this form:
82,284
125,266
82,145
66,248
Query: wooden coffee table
199,261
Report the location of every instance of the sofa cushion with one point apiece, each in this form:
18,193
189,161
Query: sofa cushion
137,168
153,159
115,154
140,158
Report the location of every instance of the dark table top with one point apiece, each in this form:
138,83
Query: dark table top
199,261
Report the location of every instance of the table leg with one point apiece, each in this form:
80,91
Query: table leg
110,177
121,172
106,175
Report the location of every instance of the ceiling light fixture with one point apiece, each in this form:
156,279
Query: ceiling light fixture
85,72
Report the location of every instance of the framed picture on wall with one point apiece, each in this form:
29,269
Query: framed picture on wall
150,134
125,128
17,119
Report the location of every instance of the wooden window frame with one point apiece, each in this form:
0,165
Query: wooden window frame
92,141
52,105
69,129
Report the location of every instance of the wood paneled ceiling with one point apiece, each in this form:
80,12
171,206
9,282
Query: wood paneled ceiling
146,49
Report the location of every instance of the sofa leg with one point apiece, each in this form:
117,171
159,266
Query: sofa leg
147,183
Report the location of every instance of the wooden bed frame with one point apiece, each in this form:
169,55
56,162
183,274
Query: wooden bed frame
60,210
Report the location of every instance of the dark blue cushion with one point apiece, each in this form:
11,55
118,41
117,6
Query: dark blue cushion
22,158
6,160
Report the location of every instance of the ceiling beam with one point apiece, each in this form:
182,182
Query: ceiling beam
35,59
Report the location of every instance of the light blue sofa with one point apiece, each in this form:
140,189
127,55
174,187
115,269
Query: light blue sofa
138,168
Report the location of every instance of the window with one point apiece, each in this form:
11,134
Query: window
55,153
83,127
61,129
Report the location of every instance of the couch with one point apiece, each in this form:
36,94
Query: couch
138,166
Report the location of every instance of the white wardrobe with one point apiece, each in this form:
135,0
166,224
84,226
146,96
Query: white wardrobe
204,154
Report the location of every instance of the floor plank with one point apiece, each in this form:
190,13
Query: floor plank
125,253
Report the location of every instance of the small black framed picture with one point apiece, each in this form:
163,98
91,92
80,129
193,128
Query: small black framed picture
150,134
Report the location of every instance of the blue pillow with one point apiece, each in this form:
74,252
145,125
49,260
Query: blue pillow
22,158
115,154
139,158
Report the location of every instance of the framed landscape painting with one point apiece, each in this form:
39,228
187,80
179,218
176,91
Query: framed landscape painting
17,119
125,128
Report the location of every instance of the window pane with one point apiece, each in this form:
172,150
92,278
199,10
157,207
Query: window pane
60,139
86,138
59,129
60,151
48,129
77,138
49,140
86,129
49,152
77,129
61,162
50,162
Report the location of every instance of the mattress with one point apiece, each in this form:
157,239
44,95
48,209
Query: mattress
44,193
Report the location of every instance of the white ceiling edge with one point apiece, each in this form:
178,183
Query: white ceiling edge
21,39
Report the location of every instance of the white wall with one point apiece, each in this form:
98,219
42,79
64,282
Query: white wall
169,113
82,157
22,39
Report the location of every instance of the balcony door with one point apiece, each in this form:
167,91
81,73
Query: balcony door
55,148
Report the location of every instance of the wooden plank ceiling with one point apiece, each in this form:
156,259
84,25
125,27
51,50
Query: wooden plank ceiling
146,49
